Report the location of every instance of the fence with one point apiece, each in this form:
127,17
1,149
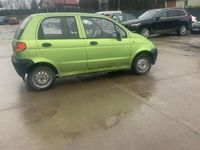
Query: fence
26,12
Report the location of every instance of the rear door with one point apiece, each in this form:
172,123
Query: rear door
59,42
104,50
174,19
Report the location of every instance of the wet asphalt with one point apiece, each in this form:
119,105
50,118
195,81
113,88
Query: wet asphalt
108,111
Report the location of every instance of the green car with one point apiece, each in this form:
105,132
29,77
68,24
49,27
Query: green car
55,45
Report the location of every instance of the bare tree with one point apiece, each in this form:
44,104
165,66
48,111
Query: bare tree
14,4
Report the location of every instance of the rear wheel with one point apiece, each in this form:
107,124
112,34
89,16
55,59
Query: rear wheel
145,32
41,78
141,64
182,30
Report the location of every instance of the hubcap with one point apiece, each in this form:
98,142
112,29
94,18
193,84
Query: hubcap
145,32
42,79
142,65
183,30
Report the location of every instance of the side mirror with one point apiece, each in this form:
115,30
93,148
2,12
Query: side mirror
118,36
157,18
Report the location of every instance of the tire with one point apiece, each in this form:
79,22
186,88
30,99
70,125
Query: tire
182,31
41,78
145,32
141,64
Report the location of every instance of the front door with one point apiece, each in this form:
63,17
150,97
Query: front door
104,50
59,43
161,22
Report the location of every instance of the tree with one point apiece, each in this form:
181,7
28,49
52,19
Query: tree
1,6
34,5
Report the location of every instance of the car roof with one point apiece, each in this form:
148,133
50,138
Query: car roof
159,9
109,12
65,14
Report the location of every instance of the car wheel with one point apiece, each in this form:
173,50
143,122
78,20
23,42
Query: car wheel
141,64
145,32
41,78
182,30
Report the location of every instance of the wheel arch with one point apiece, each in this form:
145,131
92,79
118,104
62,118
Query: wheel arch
143,52
46,64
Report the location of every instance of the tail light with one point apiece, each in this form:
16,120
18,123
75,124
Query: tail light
20,46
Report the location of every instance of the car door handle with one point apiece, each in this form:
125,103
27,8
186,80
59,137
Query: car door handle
93,43
46,44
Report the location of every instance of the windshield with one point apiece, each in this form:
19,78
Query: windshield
148,14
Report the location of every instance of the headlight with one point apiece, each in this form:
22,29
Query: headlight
135,25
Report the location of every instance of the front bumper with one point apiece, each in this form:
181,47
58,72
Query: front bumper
21,65
154,53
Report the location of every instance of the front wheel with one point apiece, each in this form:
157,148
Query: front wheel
141,64
41,78
182,30
145,32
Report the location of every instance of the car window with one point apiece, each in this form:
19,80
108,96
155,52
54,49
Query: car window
149,14
180,13
172,13
162,14
98,28
58,28
121,31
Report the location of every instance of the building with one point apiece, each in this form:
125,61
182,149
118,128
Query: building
58,3
182,3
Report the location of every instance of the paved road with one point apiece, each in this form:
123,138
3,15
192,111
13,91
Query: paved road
159,111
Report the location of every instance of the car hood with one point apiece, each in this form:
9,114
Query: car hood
135,21
131,21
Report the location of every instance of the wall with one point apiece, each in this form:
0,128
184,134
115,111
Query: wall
191,3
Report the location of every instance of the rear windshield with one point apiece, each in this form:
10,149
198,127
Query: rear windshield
21,28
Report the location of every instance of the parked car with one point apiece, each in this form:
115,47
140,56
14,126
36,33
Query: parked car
85,43
196,27
118,15
123,17
3,20
161,21
194,19
13,21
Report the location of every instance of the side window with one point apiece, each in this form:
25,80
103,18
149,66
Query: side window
180,13
121,31
162,14
98,28
172,13
58,28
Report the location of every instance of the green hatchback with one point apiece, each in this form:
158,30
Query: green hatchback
54,45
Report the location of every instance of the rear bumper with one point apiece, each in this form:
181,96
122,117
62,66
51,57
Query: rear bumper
154,53
21,65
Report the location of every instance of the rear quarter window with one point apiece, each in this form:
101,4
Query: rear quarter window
180,13
21,28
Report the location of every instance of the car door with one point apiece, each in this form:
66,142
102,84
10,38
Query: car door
161,22
173,19
104,50
59,42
